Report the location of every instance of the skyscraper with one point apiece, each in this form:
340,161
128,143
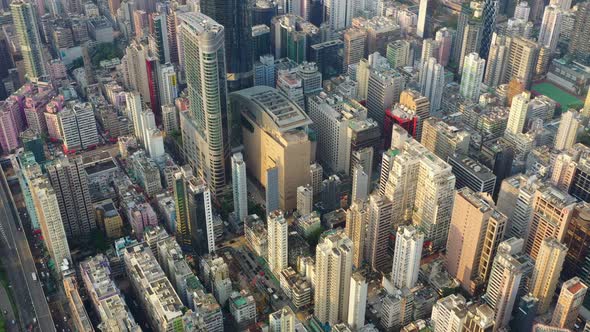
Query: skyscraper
358,301
580,43
474,235
205,128
277,242
432,83
354,46
52,226
356,229
379,225
497,59
398,53
338,14
305,199
569,302
70,182
236,19
550,27
518,112
552,211
360,184
448,313
423,17
239,185
490,11
568,130
272,189
548,265
472,75
333,270
406,257
25,23
522,59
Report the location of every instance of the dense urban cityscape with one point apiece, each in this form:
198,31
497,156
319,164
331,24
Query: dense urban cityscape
294,165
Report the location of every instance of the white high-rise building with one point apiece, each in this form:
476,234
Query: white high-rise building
338,14
77,125
168,84
360,184
333,270
505,279
449,313
546,273
133,111
277,242
422,18
52,226
304,199
406,256
239,185
550,27
358,301
472,76
568,130
522,11
432,81
205,140
282,321
518,111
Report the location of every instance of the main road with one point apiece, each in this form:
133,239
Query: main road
19,265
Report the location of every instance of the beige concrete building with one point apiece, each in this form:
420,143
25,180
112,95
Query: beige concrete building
476,230
522,59
568,305
443,139
552,211
548,265
274,134
356,229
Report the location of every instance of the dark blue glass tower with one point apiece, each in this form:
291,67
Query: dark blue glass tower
490,12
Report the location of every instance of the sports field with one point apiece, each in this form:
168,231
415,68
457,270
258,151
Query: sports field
563,98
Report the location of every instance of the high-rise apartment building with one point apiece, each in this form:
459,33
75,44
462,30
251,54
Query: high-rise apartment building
552,211
277,242
577,240
205,128
399,54
276,136
472,76
449,313
354,46
356,230
515,200
305,199
282,320
518,112
508,271
358,301
432,82
548,265
568,130
421,188
338,14
569,302
443,139
239,185
333,270
70,182
168,84
383,90
360,184
48,211
579,45
522,59
497,59
378,228
473,174
419,105
423,19
27,31
194,216
550,27
469,30
474,235
406,257
77,125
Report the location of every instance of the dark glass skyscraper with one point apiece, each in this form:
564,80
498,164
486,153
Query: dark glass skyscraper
236,18
490,12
